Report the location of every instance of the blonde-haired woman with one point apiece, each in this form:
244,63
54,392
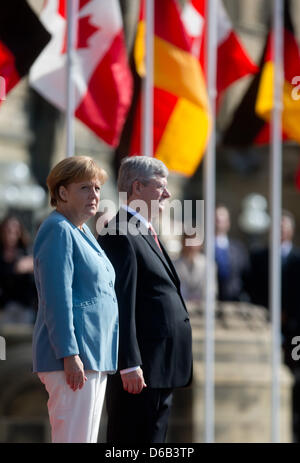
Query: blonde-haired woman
75,340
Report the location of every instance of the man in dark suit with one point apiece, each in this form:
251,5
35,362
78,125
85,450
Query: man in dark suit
258,280
258,287
155,344
231,258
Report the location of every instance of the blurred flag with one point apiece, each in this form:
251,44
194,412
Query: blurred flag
246,127
250,122
232,59
181,109
102,79
291,106
22,38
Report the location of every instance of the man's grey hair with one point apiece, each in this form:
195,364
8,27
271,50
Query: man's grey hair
142,168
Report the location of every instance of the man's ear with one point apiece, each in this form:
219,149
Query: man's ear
136,188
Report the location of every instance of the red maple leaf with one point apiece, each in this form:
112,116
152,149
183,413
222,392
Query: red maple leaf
62,6
85,29
84,32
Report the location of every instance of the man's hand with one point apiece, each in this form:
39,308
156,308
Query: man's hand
133,382
74,372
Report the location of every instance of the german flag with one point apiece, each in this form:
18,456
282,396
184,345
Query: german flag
291,106
250,123
181,109
246,127
22,38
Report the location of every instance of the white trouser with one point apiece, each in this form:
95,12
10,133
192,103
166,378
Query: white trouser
74,415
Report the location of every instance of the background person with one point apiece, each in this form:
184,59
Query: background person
231,258
75,337
155,353
258,281
191,269
17,289
290,299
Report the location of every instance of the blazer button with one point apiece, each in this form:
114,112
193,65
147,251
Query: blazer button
111,284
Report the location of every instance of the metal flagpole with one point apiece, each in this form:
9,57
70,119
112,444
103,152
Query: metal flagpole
72,10
147,140
209,196
276,187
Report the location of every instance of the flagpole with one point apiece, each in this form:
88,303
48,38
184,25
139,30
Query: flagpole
72,9
275,238
147,140
209,196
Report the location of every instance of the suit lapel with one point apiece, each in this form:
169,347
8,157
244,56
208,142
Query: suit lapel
170,263
163,256
143,231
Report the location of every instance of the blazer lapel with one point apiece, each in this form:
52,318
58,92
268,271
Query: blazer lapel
86,234
90,239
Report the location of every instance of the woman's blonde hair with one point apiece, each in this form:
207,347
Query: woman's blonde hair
73,170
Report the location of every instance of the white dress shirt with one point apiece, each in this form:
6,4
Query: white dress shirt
286,247
222,241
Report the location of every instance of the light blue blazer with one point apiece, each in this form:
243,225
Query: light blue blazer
78,311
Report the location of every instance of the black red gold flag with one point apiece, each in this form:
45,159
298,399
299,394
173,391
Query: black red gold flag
22,38
250,123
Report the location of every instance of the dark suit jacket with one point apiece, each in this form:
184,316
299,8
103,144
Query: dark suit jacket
232,288
258,279
258,287
155,330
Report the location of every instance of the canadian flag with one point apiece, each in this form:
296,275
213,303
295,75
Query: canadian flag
232,59
102,79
